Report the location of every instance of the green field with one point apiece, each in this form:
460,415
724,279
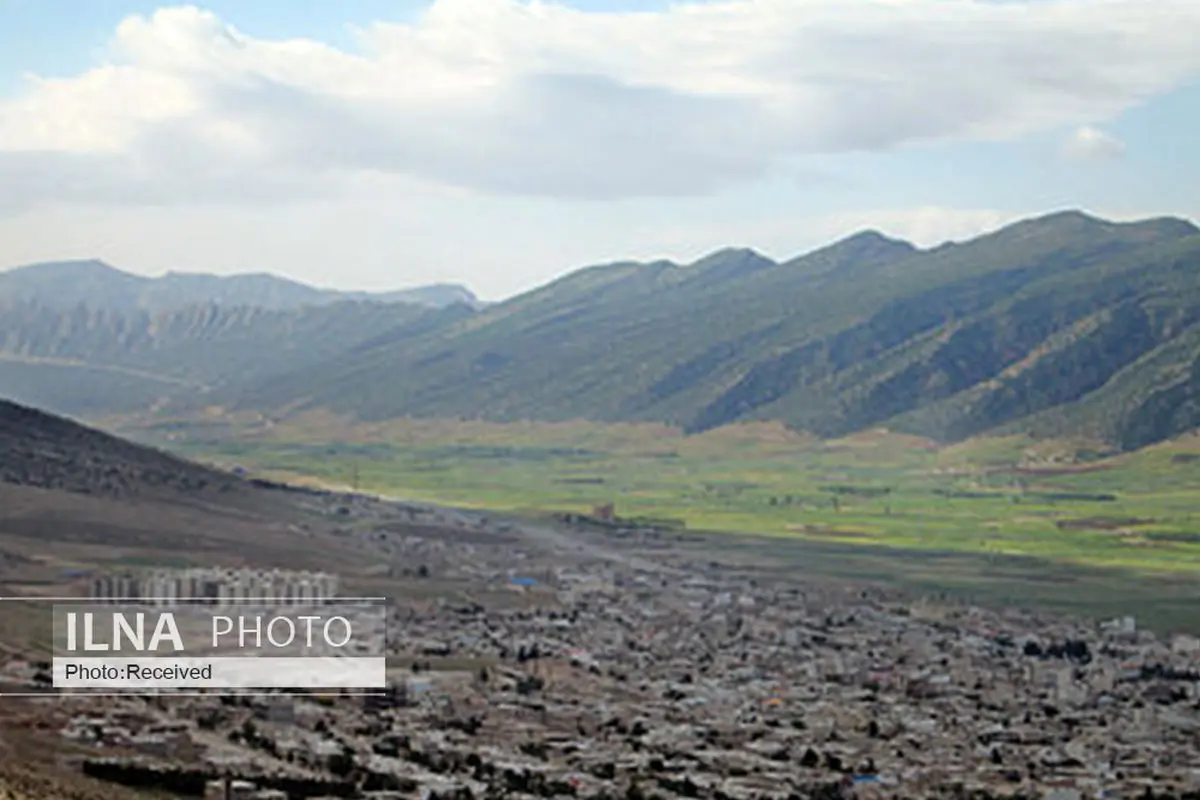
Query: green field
1003,512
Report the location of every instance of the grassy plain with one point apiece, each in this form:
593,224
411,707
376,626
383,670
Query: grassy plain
1008,518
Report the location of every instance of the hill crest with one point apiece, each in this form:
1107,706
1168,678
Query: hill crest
46,451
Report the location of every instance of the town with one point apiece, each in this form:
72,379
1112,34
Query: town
529,661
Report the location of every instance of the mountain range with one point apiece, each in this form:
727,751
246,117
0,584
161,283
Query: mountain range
66,284
1062,325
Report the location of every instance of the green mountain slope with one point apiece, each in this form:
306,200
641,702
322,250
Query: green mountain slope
66,284
610,342
85,361
1046,314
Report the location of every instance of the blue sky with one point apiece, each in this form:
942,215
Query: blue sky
500,143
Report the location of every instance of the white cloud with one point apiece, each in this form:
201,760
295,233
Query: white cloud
540,99
1092,144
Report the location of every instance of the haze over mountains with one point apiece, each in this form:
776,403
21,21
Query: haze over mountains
65,284
1064,325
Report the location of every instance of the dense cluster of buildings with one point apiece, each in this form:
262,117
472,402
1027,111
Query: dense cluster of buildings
218,587
632,672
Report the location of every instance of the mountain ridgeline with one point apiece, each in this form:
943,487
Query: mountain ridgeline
1064,325
66,284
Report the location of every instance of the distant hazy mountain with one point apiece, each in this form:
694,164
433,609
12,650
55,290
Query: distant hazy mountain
436,295
83,361
65,284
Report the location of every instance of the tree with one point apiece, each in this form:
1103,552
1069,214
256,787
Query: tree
343,763
249,733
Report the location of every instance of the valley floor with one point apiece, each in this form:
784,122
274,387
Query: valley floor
1001,520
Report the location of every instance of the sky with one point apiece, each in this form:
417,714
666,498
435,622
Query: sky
374,145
